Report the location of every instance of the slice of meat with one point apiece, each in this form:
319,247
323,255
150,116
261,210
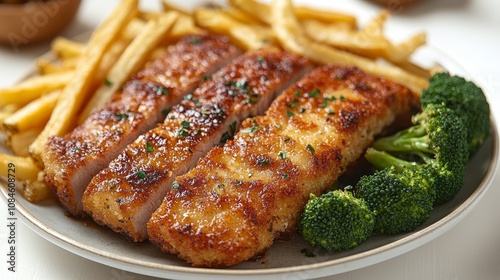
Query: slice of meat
242,196
124,195
71,161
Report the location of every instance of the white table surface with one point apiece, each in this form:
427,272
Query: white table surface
467,30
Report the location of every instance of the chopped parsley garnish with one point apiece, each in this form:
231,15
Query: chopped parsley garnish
112,187
261,59
161,90
182,133
314,93
195,40
175,185
310,148
251,129
188,96
121,116
294,102
251,100
263,162
287,139
282,154
185,124
330,112
296,93
141,174
207,77
290,114
284,175
149,147
241,83
107,82
342,97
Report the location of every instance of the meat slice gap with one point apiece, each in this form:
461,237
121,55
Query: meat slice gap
243,195
72,160
124,195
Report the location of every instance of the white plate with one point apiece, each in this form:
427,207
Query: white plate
283,259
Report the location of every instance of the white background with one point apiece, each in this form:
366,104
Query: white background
466,30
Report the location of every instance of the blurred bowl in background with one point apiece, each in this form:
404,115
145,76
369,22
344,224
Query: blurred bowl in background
394,2
34,21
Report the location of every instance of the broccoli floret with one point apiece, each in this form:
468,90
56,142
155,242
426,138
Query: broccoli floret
466,99
336,221
400,200
435,148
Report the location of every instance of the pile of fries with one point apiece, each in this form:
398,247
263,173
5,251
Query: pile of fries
82,77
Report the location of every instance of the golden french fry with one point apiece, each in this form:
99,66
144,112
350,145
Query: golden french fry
25,167
293,38
45,66
240,16
262,12
343,37
132,59
167,6
77,91
401,52
7,111
36,191
33,87
70,63
63,48
19,143
245,36
303,13
34,115
183,25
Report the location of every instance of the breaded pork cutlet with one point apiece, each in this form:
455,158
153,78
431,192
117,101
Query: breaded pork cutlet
72,160
243,195
124,195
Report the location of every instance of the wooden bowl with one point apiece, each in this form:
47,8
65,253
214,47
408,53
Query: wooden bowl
34,21
394,3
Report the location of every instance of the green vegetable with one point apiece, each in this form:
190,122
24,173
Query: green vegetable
400,201
336,221
466,99
435,148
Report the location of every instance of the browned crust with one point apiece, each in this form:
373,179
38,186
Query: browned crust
118,193
132,111
242,196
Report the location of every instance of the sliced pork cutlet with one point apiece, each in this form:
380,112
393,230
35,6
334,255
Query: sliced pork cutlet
71,161
124,195
243,195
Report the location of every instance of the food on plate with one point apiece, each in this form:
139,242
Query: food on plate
124,195
243,195
293,38
33,88
303,13
399,200
336,221
79,88
72,160
467,100
130,61
368,41
88,106
33,115
432,151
